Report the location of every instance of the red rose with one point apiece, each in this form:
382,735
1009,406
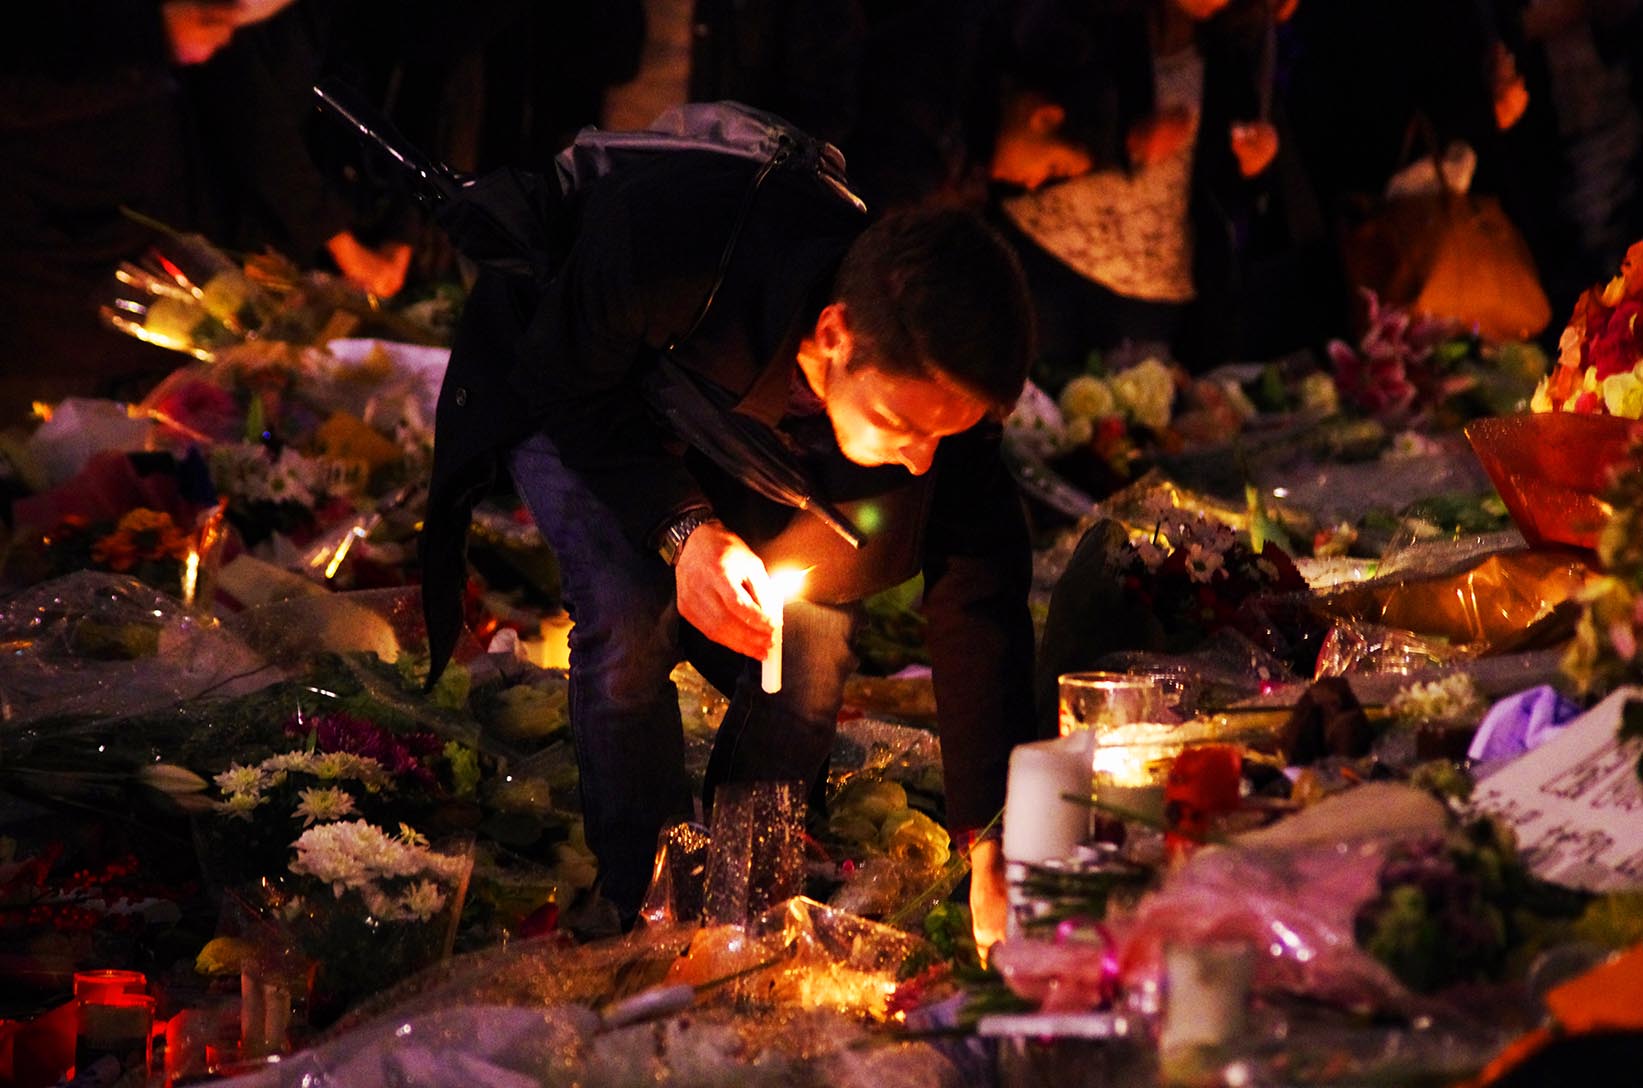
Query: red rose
1612,343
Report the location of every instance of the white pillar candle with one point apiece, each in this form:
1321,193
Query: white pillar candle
1039,825
784,586
770,676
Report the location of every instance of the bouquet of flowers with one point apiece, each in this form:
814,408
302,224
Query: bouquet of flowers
1600,354
165,549
1114,417
1604,653
367,907
1195,575
1410,369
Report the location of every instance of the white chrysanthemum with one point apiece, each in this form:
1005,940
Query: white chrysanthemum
422,900
1146,392
324,804
240,804
347,854
241,779
1451,699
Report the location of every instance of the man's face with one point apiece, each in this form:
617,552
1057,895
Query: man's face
887,419
881,418
1030,150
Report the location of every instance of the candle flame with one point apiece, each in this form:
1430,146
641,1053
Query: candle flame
785,584
191,575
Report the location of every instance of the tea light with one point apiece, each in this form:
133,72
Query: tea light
1099,701
784,586
96,986
115,1037
1129,764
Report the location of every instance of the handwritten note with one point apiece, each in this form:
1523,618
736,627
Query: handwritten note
1576,802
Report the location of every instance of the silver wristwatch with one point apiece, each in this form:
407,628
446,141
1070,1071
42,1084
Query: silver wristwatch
672,539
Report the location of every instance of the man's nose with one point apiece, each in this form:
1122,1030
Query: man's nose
917,456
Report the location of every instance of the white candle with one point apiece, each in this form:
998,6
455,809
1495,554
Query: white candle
784,585
770,676
1039,825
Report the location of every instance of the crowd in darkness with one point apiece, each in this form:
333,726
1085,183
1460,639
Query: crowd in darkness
1176,171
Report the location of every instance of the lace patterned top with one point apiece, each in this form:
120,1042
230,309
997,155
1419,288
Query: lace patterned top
1129,232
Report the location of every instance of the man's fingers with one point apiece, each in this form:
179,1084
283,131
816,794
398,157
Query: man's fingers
737,626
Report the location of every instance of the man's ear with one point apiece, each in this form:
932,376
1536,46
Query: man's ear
833,335
1046,119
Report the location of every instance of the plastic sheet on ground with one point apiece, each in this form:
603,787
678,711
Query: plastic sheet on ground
784,1000
385,622
479,1046
93,645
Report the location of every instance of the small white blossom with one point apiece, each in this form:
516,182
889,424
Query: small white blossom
1451,699
1151,555
422,900
241,779
240,805
323,804
1202,563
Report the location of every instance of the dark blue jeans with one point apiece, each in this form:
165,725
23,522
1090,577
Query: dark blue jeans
626,638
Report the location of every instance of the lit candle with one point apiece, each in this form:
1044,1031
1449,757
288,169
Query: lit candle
784,586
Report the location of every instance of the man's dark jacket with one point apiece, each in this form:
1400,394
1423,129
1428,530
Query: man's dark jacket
570,361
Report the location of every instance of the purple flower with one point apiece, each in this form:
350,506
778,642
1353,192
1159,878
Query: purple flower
401,754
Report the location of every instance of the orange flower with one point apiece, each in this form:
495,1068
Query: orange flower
141,534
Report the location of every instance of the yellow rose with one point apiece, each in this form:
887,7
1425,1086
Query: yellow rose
1087,397
222,956
1146,392
1623,395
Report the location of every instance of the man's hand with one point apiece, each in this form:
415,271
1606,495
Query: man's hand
1511,93
722,589
989,894
1158,136
379,271
1254,145
196,29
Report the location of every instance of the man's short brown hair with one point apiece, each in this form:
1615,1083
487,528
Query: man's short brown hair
938,290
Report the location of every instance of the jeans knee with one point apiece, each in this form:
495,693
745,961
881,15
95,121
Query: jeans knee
624,655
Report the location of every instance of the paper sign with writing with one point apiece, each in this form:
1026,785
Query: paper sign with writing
1576,802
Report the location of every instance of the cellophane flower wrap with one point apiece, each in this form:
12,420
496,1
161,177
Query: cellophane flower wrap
1604,652
368,906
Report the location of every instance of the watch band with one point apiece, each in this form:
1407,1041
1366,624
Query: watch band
671,541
